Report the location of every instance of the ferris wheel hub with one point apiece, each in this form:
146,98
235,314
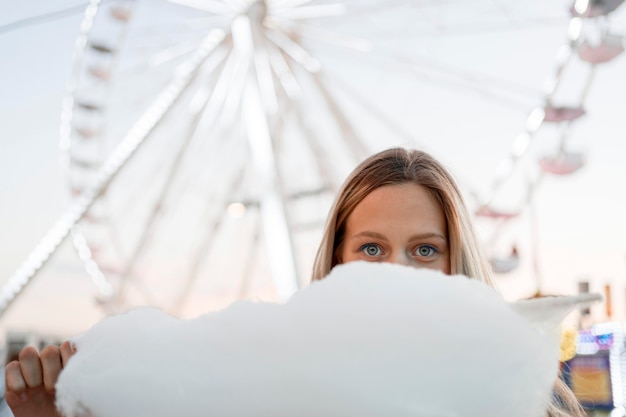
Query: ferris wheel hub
257,11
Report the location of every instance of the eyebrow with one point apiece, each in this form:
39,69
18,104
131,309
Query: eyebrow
420,236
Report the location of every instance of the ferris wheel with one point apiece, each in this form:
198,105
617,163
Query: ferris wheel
208,137
593,39
191,123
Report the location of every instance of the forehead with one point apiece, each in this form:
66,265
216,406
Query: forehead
410,204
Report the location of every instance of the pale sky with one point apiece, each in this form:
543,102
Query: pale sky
474,73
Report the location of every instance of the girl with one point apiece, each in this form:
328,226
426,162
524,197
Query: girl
399,206
402,206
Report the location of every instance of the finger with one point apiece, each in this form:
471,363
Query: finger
67,350
30,365
51,364
14,379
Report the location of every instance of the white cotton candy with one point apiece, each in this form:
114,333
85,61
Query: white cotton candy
371,340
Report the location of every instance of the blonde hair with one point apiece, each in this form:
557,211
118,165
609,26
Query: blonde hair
400,166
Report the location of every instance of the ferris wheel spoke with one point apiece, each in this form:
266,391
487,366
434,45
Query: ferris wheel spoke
169,54
265,77
487,87
214,222
232,101
329,37
255,242
204,93
262,66
357,147
211,96
191,26
294,50
481,80
147,37
222,98
197,259
273,210
330,181
197,112
376,112
287,80
266,81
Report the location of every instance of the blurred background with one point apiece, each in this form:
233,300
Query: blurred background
201,142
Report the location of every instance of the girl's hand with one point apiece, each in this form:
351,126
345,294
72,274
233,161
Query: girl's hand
31,379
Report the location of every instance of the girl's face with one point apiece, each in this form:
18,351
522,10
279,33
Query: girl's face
402,224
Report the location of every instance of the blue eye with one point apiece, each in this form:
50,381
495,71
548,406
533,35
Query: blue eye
371,250
425,250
